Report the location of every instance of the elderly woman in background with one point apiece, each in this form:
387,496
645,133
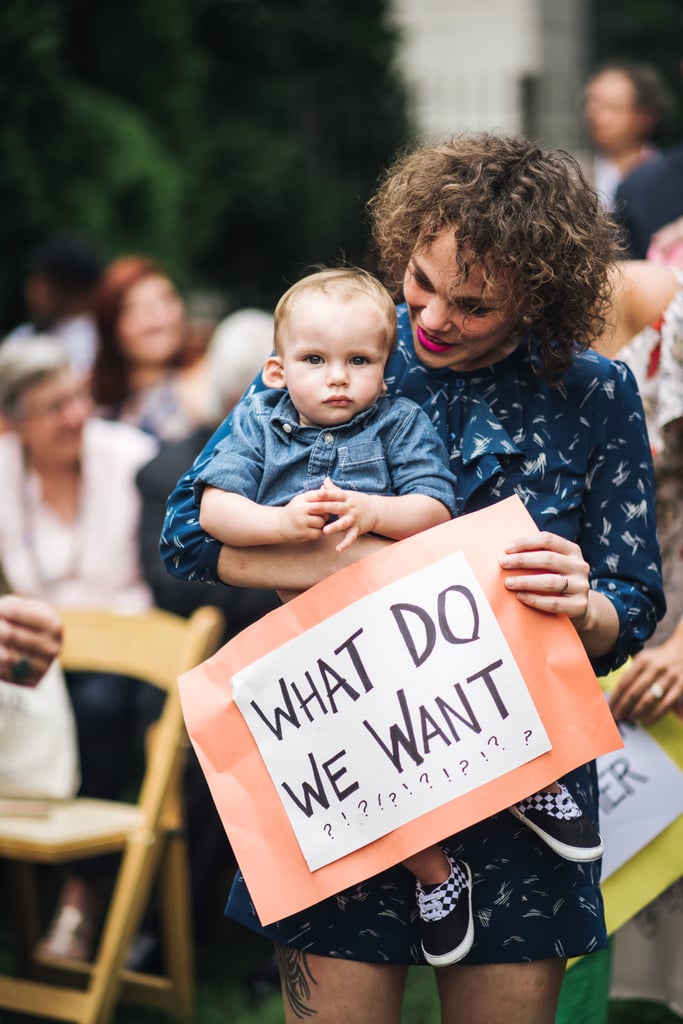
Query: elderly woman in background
69,536
648,337
149,368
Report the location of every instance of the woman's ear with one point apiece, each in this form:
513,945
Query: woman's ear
273,373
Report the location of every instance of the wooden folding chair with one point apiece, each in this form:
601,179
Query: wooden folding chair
155,646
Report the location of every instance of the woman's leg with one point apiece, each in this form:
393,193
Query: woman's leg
525,993
335,991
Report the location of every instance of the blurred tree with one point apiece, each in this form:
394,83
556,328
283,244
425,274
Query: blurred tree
235,140
302,107
74,156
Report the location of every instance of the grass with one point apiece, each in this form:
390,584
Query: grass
227,966
234,986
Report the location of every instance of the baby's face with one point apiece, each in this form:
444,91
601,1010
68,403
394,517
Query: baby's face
333,352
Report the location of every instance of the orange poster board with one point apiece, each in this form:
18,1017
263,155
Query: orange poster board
547,653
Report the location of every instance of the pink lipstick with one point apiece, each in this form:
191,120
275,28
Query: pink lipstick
429,343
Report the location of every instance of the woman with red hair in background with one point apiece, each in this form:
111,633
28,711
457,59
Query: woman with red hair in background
149,368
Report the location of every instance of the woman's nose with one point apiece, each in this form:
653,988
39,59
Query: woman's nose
436,314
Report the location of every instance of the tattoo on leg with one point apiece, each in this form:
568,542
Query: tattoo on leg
297,980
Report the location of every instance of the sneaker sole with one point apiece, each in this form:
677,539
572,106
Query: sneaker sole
572,853
454,955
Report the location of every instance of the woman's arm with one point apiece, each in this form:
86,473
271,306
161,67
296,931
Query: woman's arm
641,291
291,567
608,581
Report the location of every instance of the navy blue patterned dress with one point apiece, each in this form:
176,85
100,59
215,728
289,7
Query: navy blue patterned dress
578,457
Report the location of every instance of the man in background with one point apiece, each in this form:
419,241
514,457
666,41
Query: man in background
58,293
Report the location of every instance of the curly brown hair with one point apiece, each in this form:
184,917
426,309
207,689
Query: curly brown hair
517,209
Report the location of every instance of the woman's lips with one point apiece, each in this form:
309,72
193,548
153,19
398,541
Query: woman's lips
430,343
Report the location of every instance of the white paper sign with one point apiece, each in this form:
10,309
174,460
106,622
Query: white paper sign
641,794
401,702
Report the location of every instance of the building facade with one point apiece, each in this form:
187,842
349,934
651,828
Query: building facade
509,65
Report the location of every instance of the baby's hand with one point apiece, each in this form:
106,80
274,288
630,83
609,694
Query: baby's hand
301,519
354,511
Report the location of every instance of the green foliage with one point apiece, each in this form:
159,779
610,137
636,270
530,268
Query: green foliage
302,109
235,140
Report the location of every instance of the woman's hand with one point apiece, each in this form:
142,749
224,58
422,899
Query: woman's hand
652,684
550,574
30,639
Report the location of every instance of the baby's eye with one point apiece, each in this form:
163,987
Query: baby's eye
358,360
313,360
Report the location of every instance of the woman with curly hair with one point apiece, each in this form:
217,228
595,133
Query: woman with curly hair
503,258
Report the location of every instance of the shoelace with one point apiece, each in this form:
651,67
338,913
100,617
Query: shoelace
432,903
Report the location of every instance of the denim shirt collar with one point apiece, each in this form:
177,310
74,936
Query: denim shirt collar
285,421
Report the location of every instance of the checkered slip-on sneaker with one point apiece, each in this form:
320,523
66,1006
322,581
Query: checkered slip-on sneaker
559,821
445,913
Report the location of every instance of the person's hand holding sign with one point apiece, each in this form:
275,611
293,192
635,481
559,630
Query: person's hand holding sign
552,576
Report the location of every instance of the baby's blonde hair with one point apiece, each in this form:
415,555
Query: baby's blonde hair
345,283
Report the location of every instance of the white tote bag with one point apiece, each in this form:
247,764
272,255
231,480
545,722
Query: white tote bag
38,745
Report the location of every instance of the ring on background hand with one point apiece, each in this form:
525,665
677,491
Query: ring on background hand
566,583
21,669
656,691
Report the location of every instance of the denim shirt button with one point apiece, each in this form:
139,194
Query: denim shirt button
287,427
329,438
460,384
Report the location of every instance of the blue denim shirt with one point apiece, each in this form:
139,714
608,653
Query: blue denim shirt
390,448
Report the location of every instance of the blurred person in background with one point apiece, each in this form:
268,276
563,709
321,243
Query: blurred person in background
650,199
236,352
648,337
69,536
645,959
58,293
666,245
626,104
148,370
